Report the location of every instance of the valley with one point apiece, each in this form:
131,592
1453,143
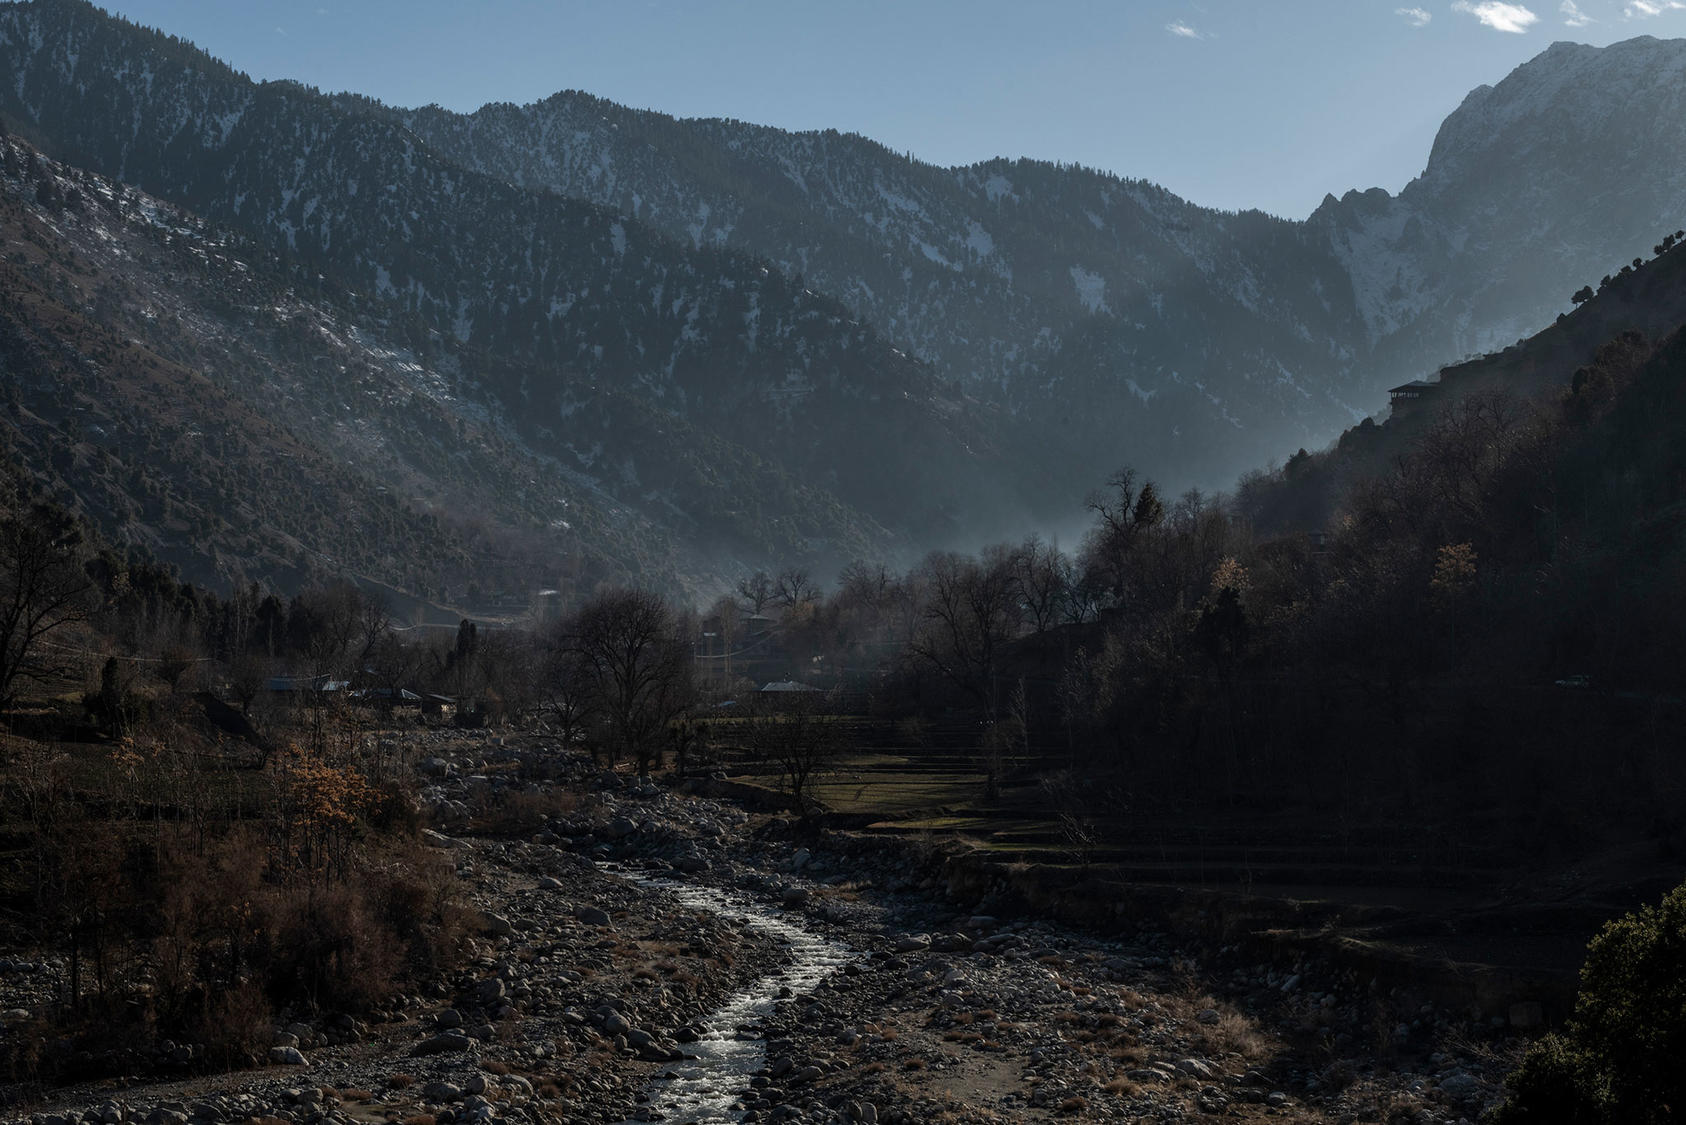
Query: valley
561,613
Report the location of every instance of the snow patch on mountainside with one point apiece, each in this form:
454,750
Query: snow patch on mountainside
1389,283
1091,289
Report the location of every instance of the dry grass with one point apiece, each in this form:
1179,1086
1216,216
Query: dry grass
1074,1105
872,1068
1122,1087
1236,1034
495,1066
400,1081
511,814
1076,988
915,1063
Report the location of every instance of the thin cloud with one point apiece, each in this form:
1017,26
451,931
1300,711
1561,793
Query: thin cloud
1182,31
1513,18
1417,17
1573,16
1645,9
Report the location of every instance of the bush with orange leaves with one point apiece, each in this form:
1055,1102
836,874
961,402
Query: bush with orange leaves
319,805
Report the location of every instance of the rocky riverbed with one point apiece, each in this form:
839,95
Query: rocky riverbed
648,954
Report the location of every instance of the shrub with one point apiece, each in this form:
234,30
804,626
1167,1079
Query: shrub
1619,1058
331,949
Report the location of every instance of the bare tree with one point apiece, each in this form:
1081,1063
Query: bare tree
1043,575
566,689
1124,513
371,625
757,591
971,613
794,587
395,663
323,624
801,739
247,673
636,665
43,588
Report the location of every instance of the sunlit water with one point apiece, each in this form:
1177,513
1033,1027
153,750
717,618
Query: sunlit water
729,1047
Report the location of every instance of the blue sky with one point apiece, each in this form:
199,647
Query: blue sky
1231,103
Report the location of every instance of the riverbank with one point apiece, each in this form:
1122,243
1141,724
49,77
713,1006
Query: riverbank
586,986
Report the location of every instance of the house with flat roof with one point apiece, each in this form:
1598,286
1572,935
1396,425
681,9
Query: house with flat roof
1409,396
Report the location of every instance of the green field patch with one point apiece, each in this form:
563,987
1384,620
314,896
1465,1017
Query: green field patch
933,824
897,793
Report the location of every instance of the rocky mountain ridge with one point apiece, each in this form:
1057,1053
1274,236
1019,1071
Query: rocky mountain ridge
672,310
172,382
1572,165
564,298
1073,296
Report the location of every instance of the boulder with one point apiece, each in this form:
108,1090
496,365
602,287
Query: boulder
441,1093
1459,1086
487,992
441,1044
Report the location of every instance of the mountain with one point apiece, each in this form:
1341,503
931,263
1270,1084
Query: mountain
1573,367
189,394
1572,165
1130,322
739,344
1112,319
563,300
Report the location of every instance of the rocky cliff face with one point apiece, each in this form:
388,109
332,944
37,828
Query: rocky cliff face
1571,166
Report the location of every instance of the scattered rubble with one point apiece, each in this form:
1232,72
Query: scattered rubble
587,991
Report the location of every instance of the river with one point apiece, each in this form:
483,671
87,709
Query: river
730,1047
